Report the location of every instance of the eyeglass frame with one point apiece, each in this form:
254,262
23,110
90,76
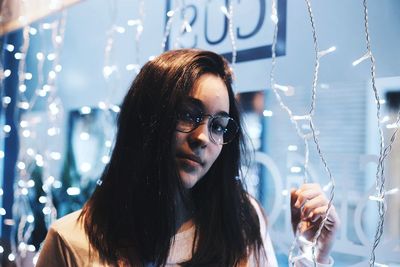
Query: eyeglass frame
197,123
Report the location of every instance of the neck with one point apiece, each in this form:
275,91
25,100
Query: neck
184,214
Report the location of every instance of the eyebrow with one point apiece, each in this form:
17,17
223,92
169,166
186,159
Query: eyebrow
201,106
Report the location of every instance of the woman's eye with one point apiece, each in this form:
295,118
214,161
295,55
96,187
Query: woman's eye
219,125
186,116
219,129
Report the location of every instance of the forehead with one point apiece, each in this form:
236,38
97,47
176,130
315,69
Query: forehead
212,92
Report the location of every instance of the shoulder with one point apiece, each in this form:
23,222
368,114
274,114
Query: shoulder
68,221
66,243
262,217
69,228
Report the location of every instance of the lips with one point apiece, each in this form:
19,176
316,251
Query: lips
190,157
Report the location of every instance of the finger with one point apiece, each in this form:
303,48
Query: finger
293,196
304,195
318,213
311,205
308,186
332,223
295,212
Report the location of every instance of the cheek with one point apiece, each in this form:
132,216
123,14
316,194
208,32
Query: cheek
214,154
177,140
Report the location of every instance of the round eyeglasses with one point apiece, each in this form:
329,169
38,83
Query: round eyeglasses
222,129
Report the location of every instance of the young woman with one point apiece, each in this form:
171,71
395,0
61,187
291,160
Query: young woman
171,194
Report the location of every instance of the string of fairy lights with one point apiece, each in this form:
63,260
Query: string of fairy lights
34,154
314,132
384,149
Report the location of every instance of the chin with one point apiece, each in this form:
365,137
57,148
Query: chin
189,180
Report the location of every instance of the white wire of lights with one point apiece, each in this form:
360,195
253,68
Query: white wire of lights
383,150
138,23
171,16
308,117
110,70
21,209
34,152
229,13
185,25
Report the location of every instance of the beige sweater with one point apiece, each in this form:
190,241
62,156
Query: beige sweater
66,244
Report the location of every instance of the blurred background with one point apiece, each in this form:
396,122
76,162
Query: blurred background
66,65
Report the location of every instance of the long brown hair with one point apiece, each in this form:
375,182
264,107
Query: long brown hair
132,215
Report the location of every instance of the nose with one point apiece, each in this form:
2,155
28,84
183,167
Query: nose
200,136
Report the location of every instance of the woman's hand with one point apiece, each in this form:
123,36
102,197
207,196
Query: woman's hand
308,206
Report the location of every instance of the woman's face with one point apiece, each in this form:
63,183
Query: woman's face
195,152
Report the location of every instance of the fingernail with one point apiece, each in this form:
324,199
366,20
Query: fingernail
297,204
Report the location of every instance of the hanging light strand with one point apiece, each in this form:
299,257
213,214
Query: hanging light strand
110,68
171,15
313,130
383,150
308,117
274,86
21,207
139,31
185,25
232,34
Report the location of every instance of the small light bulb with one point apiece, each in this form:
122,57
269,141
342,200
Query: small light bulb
57,184
11,257
26,133
30,152
58,39
23,124
54,108
85,167
22,88
6,100
7,73
120,29
55,155
267,113
295,169
30,183
39,56
7,128
102,105
30,218
58,68
46,26
42,199
51,57
46,210
86,110
23,105
84,136
73,191
2,212
52,74
28,76
24,191
32,31
105,159
10,48
108,143
116,108
18,55
133,22
170,13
